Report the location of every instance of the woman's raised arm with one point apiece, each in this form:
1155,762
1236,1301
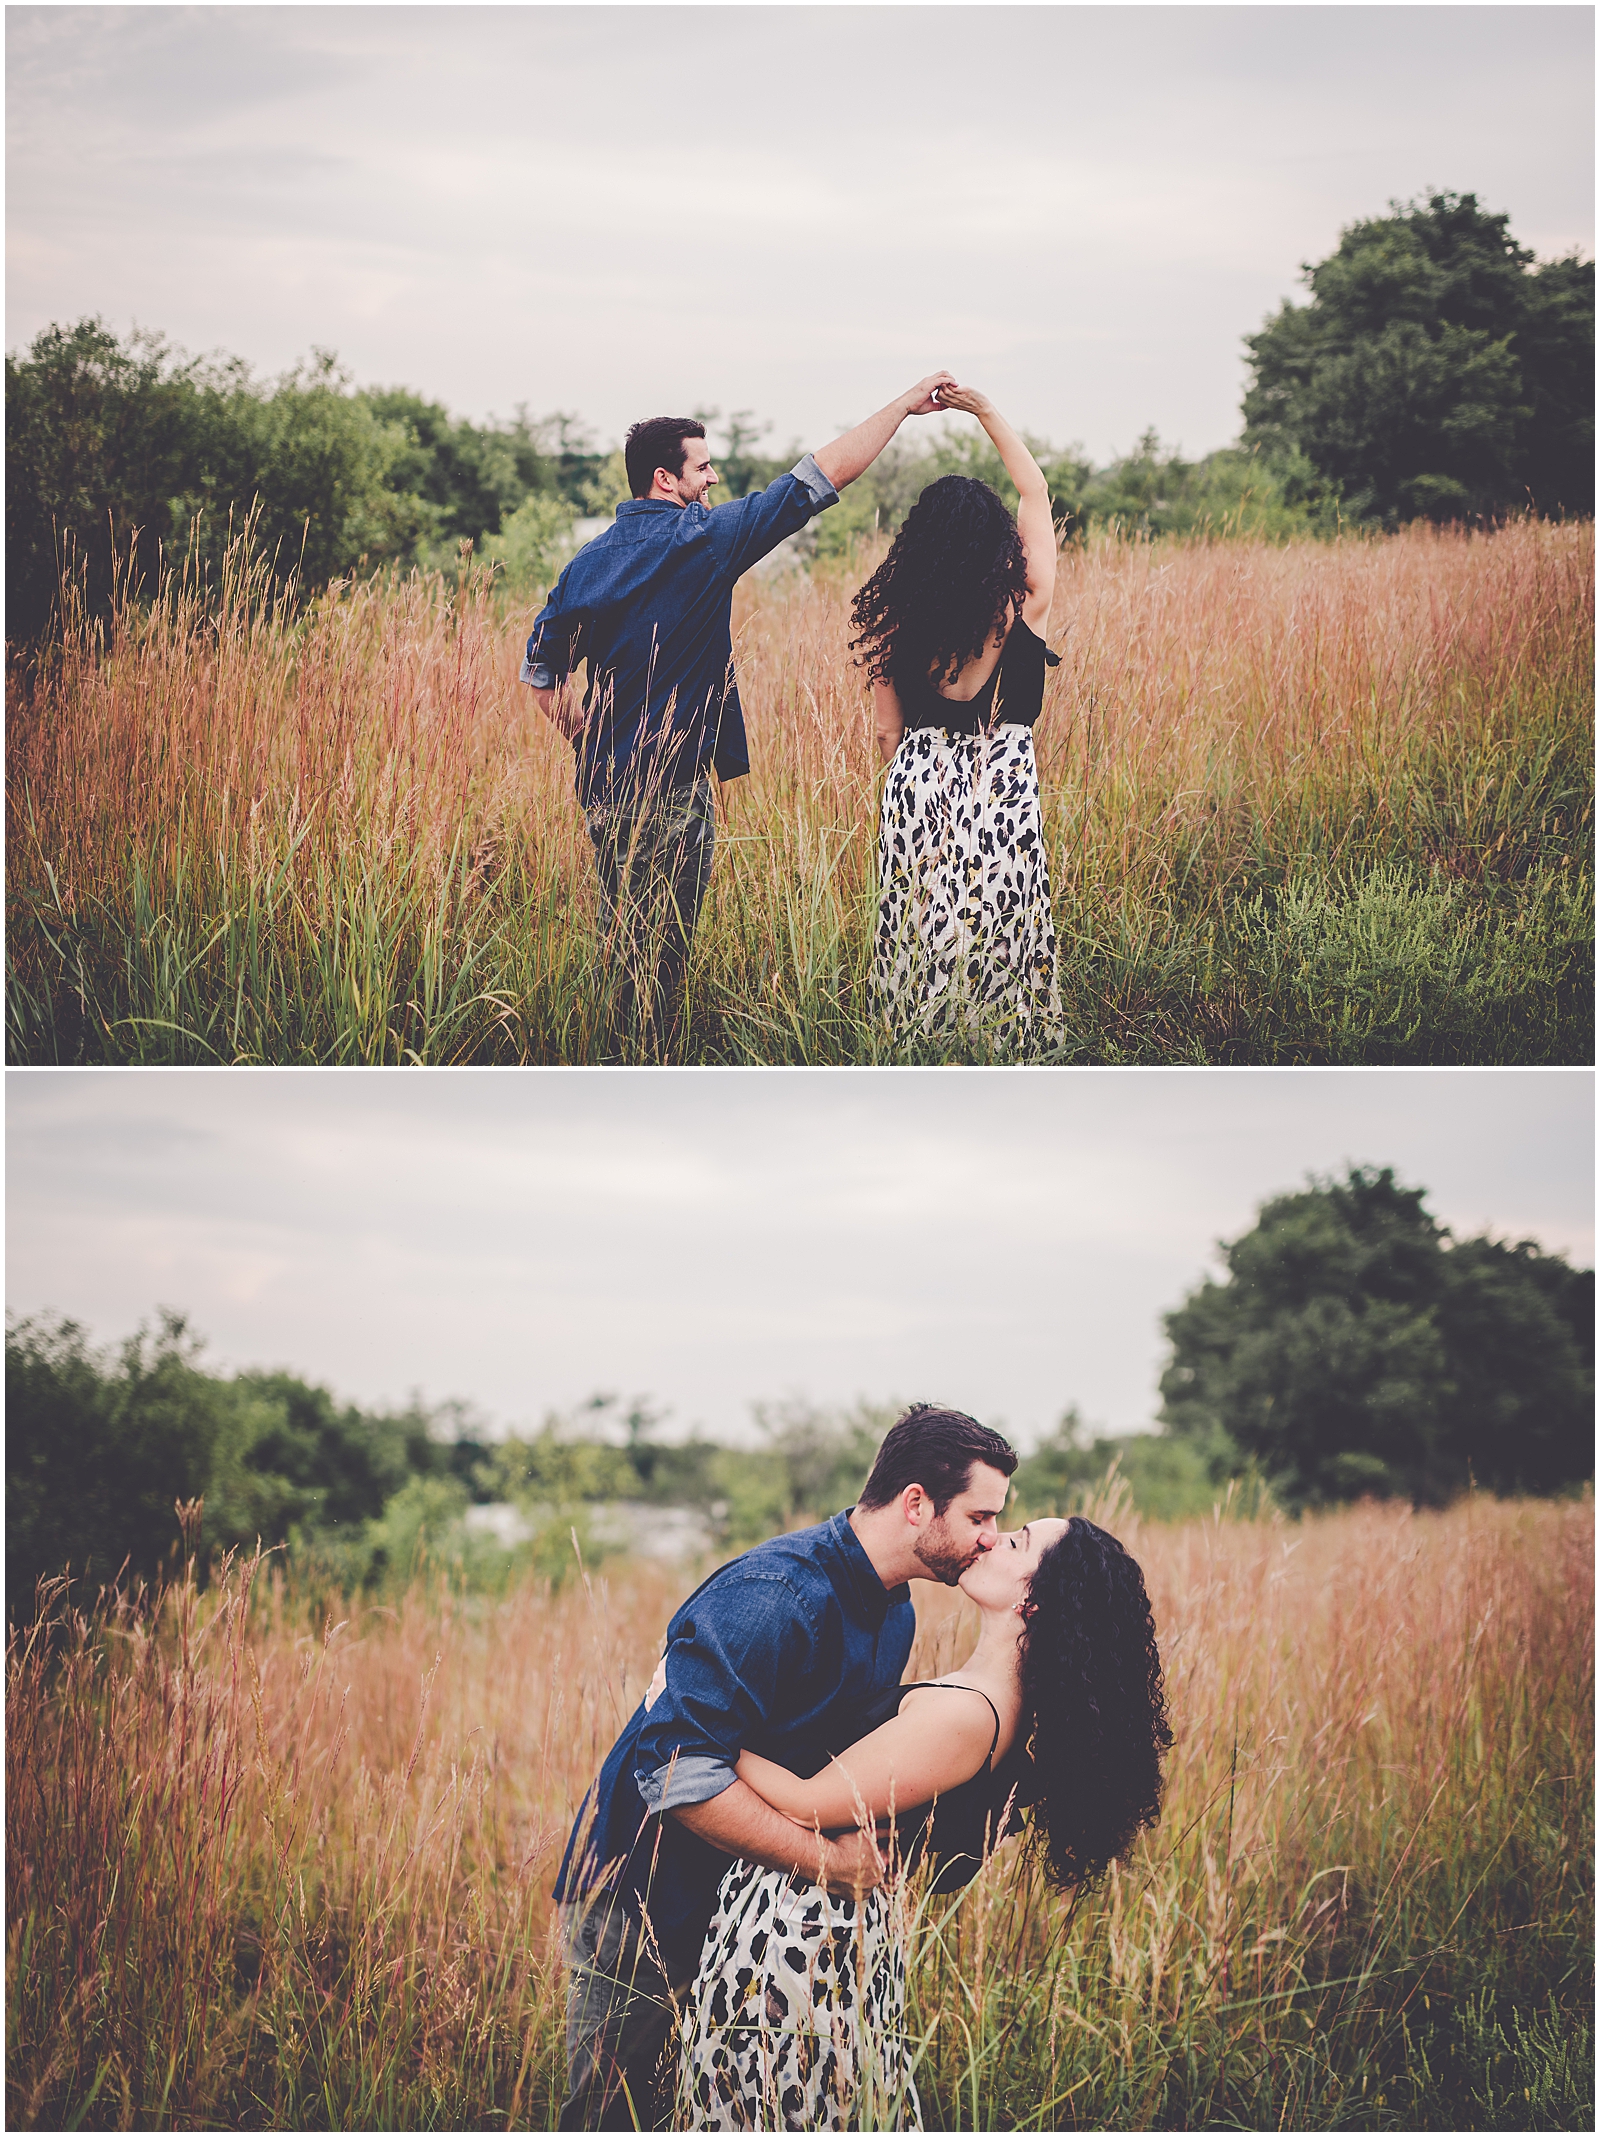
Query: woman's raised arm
1034,523
924,1751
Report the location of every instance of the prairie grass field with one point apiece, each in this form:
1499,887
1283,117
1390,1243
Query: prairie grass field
275,1861
1304,802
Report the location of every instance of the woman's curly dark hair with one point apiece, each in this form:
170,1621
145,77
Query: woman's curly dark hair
953,574
1093,1705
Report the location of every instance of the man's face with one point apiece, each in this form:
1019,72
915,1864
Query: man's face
950,1542
697,476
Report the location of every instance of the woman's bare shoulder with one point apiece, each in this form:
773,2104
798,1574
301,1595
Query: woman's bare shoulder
987,1719
977,1710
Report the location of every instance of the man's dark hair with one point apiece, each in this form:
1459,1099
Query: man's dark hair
657,442
936,1449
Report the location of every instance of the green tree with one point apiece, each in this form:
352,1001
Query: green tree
1354,1348
470,481
323,1464
531,546
1555,346
122,458
1238,490
99,1449
556,1471
1169,1477
1518,1328
1436,372
819,1458
304,459
98,437
96,1455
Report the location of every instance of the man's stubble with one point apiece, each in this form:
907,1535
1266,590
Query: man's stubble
944,1558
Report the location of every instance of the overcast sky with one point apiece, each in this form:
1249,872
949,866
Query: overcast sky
797,211
1002,1240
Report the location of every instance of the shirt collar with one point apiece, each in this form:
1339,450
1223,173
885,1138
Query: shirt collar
860,1578
649,504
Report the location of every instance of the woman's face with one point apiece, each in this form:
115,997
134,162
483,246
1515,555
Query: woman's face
1002,1577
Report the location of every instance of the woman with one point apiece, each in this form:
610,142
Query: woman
798,2017
951,633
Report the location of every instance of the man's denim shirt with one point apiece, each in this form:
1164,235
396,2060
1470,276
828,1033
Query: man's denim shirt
791,1651
647,604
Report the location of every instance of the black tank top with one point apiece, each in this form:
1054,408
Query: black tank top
965,1825
1015,691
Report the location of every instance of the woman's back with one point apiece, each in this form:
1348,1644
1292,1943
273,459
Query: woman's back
1012,691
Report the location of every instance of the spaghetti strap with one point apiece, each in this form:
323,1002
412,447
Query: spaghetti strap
937,1684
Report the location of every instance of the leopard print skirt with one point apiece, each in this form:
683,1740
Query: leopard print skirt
966,947
798,2016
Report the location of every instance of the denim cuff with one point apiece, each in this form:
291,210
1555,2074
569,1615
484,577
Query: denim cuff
815,484
685,1780
539,673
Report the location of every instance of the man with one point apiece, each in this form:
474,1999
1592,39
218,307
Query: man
647,604
784,1651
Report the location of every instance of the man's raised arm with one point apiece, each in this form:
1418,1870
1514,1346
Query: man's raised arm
854,453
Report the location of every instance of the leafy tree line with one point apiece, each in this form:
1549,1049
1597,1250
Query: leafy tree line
1352,1348
122,455
100,1448
125,458
1437,372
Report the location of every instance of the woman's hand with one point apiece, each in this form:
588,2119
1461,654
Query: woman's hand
968,400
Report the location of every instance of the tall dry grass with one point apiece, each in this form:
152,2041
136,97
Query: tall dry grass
1303,802
267,1868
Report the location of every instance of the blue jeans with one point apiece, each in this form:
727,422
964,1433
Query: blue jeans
654,864
621,2019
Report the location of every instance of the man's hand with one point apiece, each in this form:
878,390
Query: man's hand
926,398
740,1822
561,709
855,1865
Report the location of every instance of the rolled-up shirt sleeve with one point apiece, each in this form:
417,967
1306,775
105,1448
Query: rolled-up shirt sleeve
730,1651
684,1780
815,484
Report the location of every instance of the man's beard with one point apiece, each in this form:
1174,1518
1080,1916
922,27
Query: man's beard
942,1555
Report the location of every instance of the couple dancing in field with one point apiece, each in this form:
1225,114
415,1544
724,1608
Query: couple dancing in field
951,635
733,1890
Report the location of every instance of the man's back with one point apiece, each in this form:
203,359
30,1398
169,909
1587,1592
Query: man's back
647,604
784,1650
